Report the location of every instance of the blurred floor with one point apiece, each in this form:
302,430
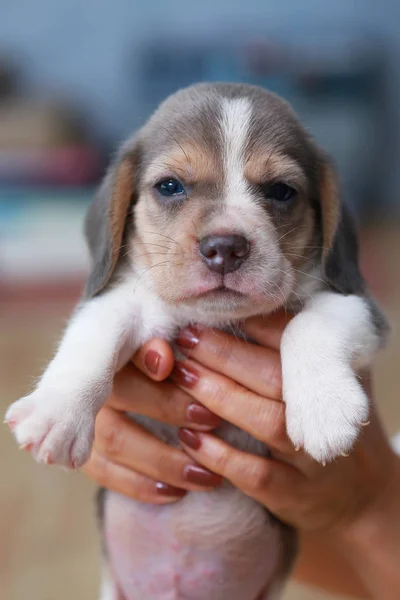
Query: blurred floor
48,540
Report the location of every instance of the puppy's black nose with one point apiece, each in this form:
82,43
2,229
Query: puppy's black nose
224,253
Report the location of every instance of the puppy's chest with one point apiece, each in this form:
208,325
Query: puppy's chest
156,320
168,329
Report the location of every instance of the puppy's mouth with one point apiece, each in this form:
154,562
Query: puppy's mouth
235,297
220,291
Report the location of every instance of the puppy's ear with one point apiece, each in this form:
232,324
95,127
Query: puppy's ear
339,236
106,220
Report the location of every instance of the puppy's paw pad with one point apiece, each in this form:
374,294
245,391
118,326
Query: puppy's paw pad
55,433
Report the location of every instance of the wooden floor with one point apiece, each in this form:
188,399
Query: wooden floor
48,540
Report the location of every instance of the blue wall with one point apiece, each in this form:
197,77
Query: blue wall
84,49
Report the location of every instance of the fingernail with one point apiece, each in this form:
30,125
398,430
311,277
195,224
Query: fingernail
200,476
190,438
184,375
188,338
152,361
168,490
201,416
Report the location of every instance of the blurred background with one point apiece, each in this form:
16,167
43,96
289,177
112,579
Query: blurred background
76,77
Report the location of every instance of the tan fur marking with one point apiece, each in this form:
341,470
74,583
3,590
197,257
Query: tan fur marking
121,199
330,206
274,165
189,162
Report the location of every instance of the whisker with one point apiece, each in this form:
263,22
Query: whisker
309,248
175,140
151,244
289,232
163,235
165,262
309,275
158,253
296,255
195,227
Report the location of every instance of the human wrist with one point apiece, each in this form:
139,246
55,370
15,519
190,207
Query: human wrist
370,542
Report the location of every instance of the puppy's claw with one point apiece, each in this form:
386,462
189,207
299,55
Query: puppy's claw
47,459
28,447
323,463
345,454
297,448
366,423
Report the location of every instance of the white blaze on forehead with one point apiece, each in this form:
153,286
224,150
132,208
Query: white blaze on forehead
235,125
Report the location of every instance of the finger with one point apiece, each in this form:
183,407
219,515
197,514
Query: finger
254,367
155,359
261,417
129,483
135,392
267,331
126,443
276,485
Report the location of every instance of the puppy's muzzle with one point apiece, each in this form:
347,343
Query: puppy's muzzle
224,253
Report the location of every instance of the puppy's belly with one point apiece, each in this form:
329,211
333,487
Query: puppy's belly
219,545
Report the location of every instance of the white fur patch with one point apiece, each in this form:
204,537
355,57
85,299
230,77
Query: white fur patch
56,421
108,589
235,123
396,443
321,348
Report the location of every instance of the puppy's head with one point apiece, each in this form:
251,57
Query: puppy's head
224,203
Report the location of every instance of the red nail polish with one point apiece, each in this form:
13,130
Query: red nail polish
200,476
190,438
188,338
184,375
152,361
168,490
196,413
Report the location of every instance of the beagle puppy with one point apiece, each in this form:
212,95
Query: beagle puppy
220,208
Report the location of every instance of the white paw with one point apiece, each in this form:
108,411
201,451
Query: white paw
55,431
325,416
325,403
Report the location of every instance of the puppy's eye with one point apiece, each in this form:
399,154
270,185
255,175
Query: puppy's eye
280,192
170,188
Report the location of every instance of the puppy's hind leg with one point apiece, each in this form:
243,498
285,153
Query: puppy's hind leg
109,589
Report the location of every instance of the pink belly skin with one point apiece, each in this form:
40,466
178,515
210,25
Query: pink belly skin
210,546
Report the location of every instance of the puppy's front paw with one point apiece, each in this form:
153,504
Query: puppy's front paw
54,431
324,415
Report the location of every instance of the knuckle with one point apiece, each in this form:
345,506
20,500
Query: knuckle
269,425
172,405
221,462
221,394
98,469
273,376
259,476
109,436
223,350
269,373
272,424
278,426
165,466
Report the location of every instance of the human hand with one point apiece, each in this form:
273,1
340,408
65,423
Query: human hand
241,382
128,459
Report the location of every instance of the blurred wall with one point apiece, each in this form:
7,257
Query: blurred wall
86,47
